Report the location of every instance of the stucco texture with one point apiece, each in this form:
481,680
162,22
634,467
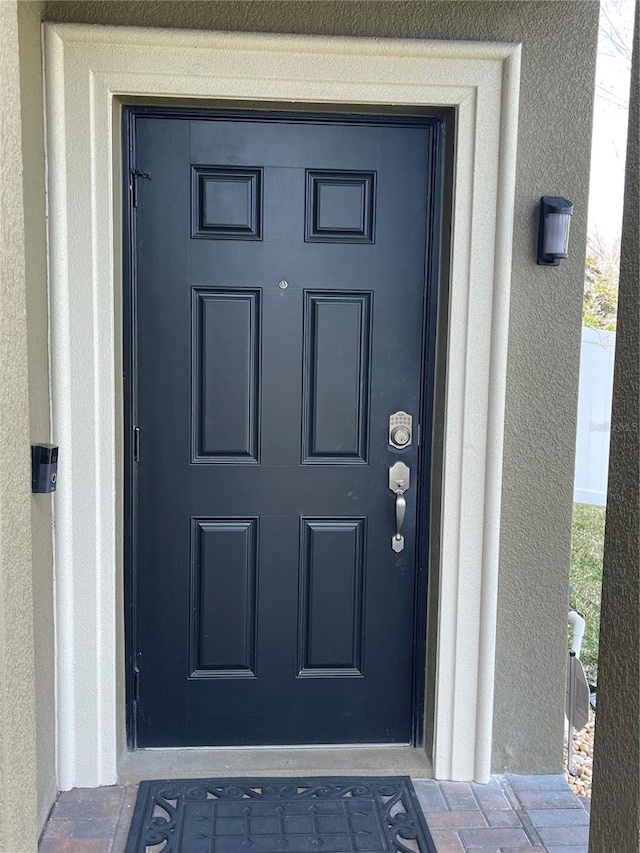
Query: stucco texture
558,62
33,183
615,816
17,683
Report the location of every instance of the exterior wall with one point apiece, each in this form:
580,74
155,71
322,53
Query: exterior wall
555,129
18,771
615,816
33,181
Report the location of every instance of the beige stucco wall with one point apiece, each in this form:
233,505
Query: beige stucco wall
18,771
558,63
33,182
615,816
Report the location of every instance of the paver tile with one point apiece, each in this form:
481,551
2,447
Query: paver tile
130,795
495,849
429,796
74,845
85,809
558,817
490,797
549,799
120,837
510,794
499,837
564,835
502,817
579,848
574,848
459,796
553,782
447,841
456,820
96,828
107,792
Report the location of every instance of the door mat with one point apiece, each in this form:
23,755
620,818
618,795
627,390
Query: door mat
334,815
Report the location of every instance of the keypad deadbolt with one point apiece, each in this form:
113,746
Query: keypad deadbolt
400,430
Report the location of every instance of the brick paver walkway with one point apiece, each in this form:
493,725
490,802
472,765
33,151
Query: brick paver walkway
511,814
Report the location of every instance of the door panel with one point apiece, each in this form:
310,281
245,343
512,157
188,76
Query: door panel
226,372
332,572
336,384
278,291
223,603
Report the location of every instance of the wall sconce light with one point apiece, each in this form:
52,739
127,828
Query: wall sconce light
553,231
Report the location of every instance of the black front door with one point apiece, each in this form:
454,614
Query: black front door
278,284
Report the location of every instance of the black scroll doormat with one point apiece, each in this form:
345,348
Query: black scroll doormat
334,815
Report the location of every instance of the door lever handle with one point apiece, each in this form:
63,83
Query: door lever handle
399,481
397,543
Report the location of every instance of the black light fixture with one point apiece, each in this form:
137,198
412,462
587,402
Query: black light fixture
553,231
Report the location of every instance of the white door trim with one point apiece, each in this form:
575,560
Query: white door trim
86,68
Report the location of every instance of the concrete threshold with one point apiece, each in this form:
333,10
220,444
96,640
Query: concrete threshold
140,764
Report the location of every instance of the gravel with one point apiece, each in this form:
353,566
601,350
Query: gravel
580,781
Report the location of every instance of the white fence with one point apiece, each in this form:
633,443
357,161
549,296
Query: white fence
594,416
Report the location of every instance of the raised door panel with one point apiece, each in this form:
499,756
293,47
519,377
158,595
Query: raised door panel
223,598
226,375
337,334
331,615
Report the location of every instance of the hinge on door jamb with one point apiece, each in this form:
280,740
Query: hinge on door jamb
418,433
136,444
136,684
134,176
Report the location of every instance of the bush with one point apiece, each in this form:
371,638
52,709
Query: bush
587,543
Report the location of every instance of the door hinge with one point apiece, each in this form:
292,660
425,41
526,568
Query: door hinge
136,684
136,444
134,177
418,434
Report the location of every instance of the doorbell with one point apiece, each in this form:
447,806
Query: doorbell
44,468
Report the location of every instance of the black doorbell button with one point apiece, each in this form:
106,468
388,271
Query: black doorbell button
44,467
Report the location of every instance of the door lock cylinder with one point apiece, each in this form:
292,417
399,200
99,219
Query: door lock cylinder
400,430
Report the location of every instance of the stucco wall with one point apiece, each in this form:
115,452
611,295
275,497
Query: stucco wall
555,126
615,816
31,107
17,683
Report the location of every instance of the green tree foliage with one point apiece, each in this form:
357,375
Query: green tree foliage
600,286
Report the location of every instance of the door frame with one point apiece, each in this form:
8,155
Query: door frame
436,243
88,71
